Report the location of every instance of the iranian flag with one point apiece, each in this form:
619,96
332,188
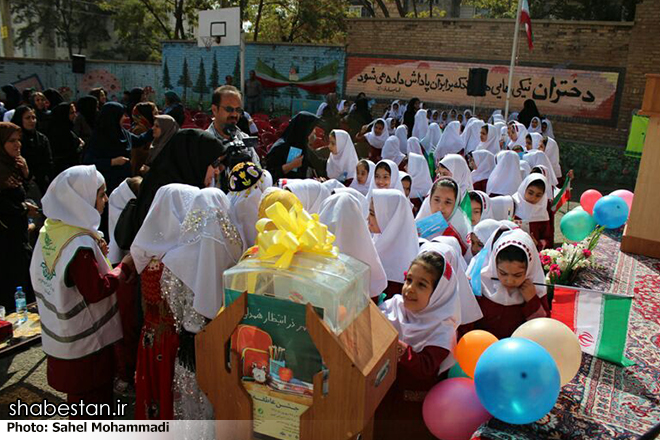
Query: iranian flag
320,82
526,19
600,321
562,195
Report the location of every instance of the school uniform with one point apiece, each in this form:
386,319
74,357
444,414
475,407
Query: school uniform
536,215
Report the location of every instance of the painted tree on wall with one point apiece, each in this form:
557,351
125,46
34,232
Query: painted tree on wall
200,86
237,71
167,83
214,80
184,79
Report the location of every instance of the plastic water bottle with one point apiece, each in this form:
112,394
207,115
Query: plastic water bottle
21,306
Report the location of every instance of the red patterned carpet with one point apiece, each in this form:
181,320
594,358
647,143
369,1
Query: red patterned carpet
606,401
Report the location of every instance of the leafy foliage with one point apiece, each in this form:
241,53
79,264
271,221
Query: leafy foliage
184,79
597,10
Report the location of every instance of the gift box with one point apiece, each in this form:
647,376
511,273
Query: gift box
6,331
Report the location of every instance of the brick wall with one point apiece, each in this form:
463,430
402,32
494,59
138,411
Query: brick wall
114,76
281,57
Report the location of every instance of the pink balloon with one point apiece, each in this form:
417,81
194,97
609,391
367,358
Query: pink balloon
589,199
626,195
452,410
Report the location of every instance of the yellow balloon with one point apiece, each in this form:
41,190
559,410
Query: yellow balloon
558,340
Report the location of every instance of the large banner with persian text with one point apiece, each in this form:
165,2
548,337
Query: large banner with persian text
568,93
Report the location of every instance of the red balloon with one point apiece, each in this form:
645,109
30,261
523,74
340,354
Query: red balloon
589,199
452,410
626,195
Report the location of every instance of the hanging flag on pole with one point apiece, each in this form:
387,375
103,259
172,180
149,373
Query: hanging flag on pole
599,320
526,19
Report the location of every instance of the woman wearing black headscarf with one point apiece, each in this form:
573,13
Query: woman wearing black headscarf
64,143
16,251
409,115
359,116
83,125
111,145
134,97
282,161
12,96
188,158
174,108
35,147
40,105
54,98
528,113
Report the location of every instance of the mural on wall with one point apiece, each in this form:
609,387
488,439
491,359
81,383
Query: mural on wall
318,82
31,82
100,78
559,92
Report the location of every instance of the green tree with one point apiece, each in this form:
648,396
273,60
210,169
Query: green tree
166,77
597,10
237,71
200,86
215,75
184,79
75,23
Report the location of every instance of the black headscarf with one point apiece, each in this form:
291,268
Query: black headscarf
35,149
63,141
134,96
184,159
108,130
295,135
359,116
528,113
54,97
13,96
409,115
88,106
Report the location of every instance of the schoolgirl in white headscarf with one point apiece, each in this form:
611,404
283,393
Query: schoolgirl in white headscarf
536,141
414,146
364,187
401,133
528,212
341,163
418,169
484,160
537,158
117,201
505,178
535,128
451,141
502,207
430,141
244,197
377,141
525,169
518,131
552,151
344,217
493,138
472,134
459,171
395,178
311,193
548,132
390,129
486,204
444,119
391,150
397,242
421,126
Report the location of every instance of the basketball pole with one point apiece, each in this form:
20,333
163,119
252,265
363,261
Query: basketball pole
242,56
514,51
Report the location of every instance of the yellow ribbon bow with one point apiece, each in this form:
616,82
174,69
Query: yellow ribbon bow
284,233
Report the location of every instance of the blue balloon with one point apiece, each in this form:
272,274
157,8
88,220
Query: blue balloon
611,212
517,380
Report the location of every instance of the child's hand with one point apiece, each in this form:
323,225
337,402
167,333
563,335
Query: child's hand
104,246
401,348
528,290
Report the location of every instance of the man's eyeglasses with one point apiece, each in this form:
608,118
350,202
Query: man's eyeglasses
230,109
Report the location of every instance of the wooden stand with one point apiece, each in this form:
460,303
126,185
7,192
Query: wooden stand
361,365
642,234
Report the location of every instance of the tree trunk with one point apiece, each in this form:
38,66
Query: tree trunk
369,8
414,3
400,8
383,8
455,10
150,8
179,33
430,8
257,20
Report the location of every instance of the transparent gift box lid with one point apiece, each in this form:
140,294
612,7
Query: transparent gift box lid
339,286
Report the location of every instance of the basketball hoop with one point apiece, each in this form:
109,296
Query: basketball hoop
208,42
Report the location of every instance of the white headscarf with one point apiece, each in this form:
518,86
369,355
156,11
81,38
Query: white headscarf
341,106
552,151
391,150
449,248
505,178
460,172
549,132
391,113
333,184
116,204
414,146
375,140
71,198
486,205
342,165
436,324
311,193
485,229
430,141
364,188
208,245
485,162
525,211
319,110
390,130
344,217
160,231
472,134
395,179
525,169
401,133
492,143
496,117
538,128
397,243
503,207
536,140
244,207
451,141
539,158
358,196
421,126
491,287
522,134
421,176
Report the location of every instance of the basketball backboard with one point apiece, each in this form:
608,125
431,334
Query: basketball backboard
219,27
